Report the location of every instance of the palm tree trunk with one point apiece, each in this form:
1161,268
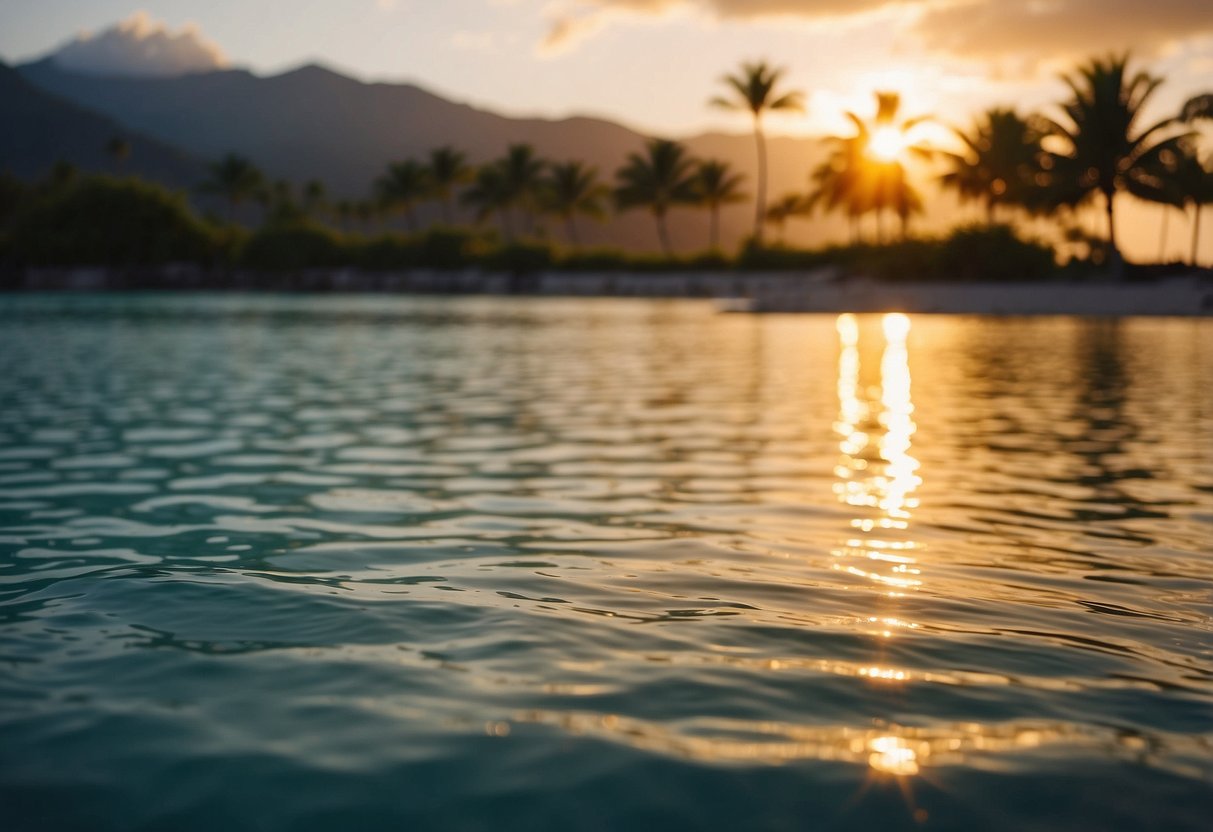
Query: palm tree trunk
1195,233
571,226
1116,263
760,209
879,227
905,227
714,228
1162,237
663,233
447,211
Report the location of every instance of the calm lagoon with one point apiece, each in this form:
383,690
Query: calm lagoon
327,562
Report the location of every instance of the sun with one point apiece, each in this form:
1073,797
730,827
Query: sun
887,144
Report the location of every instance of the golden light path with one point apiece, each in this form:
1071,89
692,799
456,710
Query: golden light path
878,476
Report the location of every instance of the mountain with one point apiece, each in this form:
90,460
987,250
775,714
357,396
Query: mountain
314,123
41,129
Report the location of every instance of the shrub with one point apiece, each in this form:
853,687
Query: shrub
518,257
994,253
103,221
293,246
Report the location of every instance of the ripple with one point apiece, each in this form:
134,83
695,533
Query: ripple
463,562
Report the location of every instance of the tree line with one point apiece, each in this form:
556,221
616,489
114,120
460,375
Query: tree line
1093,148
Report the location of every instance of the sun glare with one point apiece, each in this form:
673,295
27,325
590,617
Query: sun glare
887,144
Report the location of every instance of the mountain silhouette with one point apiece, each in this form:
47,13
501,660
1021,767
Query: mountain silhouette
315,123
41,129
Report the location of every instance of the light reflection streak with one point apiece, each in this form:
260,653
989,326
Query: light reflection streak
878,475
899,751
876,472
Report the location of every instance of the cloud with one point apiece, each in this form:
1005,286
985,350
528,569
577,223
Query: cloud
574,21
970,28
1060,28
141,46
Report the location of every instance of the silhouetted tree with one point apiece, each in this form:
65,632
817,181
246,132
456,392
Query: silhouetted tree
999,163
572,188
1106,151
522,180
660,178
1194,184
488,195
841,181
448,170
858,180
235,179
783,209
753,89
1198,107
402,187
717,185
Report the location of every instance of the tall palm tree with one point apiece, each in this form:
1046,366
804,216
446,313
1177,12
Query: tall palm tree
999,162
658,179
235,179
841,181
865,172
522,178
1106,150
488,194
448,170
717,185
402,187
1194,184
783,209
753,89
572,188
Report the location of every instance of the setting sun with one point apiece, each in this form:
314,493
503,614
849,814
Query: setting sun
888,144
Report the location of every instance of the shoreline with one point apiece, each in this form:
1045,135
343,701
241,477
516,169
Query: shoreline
818,291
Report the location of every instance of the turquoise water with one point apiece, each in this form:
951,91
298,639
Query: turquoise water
277,563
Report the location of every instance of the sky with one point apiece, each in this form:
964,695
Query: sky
654,64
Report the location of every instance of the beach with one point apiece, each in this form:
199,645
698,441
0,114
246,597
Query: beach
821,290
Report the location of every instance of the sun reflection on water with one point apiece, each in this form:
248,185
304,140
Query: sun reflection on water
876,472
878,476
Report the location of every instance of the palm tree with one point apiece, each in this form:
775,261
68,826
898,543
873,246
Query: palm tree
865,173
488,194
1194,184
1198,107
783,209
1106,151
753,89
448,170
234,178
315,198
522,180
402,187
841,181
572,188
999,162
716,185
660,178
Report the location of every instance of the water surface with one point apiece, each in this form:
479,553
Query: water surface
321,562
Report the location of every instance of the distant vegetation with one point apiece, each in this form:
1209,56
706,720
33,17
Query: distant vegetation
528,210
